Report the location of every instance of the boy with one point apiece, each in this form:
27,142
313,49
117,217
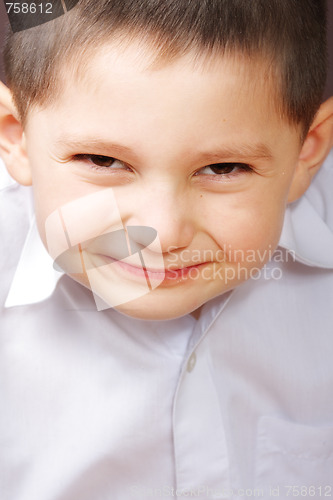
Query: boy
169,146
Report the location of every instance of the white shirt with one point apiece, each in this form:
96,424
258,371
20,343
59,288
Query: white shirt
100,406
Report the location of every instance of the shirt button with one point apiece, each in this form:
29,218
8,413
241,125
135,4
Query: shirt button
191,362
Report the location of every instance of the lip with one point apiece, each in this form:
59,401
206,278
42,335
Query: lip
164,276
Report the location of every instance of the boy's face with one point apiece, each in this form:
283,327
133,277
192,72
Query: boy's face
202,157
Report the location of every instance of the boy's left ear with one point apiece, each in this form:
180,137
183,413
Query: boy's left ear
316,147
12,140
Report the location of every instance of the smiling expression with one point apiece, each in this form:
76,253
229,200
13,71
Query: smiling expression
194,150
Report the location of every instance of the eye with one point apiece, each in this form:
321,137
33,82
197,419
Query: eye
101,161
225,169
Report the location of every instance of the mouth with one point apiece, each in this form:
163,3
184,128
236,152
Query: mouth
164,276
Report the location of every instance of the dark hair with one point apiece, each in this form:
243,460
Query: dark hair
289,34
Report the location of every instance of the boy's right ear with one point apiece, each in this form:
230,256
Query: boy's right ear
12,139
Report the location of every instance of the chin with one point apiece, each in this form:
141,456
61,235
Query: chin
156,310
147,313
155,305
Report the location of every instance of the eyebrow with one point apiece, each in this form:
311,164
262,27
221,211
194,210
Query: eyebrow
240,152
219,154
91,145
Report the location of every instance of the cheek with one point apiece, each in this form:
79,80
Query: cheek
249,226
54,187
46,201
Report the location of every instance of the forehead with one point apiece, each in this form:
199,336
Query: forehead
122,92
137,58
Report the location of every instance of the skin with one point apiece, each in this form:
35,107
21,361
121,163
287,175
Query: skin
165,127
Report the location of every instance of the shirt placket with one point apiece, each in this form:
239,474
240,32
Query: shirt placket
201,455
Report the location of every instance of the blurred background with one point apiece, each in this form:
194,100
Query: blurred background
329,86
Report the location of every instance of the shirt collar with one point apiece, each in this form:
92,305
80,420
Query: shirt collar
308,225
305,234
35,278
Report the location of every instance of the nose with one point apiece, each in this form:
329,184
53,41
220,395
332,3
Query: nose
168,212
